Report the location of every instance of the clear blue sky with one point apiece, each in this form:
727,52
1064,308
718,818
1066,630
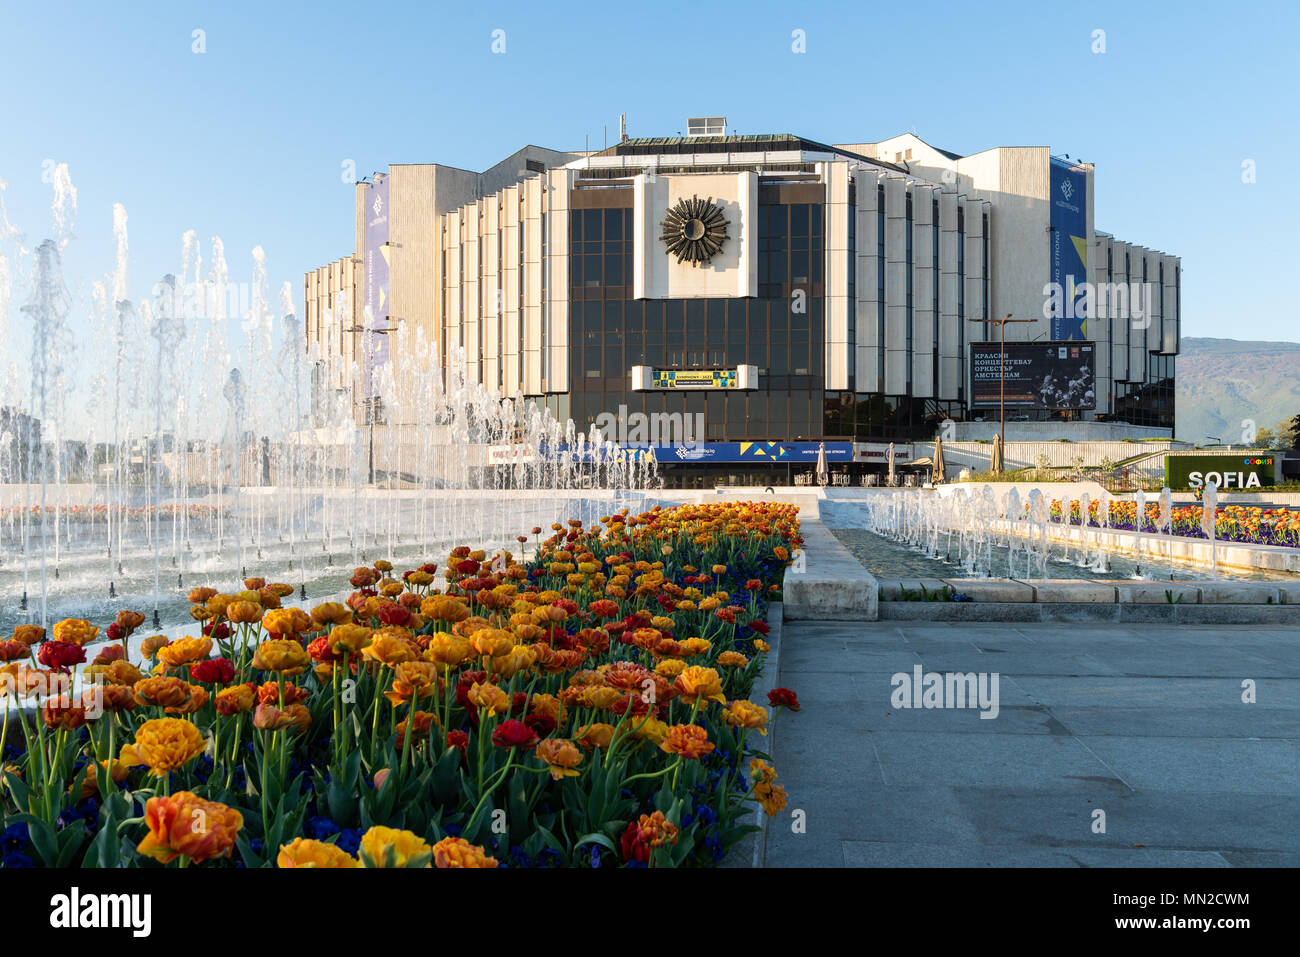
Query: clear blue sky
246,141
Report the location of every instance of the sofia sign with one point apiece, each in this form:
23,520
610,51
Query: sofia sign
1239,471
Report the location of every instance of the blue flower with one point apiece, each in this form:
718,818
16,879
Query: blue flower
14,837
321,827
14,859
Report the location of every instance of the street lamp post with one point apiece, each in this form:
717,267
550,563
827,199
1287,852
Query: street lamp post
370,400
1002,374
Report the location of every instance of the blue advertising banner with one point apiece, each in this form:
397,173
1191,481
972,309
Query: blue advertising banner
375,346
1069,266
730,452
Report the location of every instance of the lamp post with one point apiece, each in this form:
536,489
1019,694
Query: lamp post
1002,374
370,400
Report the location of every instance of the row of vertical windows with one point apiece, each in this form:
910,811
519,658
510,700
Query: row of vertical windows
851,303
934,252
961,300
1162,306
880,287
908,334
986,274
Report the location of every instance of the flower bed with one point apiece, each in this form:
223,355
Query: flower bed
1246,524
588,707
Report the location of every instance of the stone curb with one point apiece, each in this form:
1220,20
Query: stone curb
832,583
1118,612
1102,591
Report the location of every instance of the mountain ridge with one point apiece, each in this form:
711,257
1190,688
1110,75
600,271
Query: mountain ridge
1218,394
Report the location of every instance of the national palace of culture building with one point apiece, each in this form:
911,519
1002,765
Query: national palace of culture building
797,295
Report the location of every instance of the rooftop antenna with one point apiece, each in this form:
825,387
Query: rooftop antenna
622,127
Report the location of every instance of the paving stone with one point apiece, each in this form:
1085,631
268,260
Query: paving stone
1144,722
877,854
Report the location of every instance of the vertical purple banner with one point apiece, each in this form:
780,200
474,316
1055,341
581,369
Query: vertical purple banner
375,346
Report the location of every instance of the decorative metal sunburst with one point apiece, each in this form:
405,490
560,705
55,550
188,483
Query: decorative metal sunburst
694,230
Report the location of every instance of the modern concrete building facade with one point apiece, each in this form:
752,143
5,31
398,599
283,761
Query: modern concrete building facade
797,295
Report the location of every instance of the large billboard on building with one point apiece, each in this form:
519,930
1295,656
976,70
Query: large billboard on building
1069,248
1039,375
375,310
772,453
1240,470
702,453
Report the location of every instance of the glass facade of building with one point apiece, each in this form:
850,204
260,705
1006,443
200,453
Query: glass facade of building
781,332
778,331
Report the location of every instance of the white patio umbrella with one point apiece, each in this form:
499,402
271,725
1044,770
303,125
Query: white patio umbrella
889,458
823,475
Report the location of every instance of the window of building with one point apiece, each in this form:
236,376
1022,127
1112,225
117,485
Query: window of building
985,274
851,304
880,286
934,253
1162,305
961,303
909,327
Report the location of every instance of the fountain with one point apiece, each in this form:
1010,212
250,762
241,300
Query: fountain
1085,513
215,446
1103,523
1139,516
1166,506
1209,522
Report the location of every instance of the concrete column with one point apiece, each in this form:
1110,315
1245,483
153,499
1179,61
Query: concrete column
1171,330
924,279
1151,294
491,299
837,276
950,375
559,182
511,279
867,281
455,220
1120,320
1137,334
473,218
895,285
1100,325
532,238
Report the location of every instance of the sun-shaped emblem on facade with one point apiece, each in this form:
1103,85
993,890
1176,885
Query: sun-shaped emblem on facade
694,230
